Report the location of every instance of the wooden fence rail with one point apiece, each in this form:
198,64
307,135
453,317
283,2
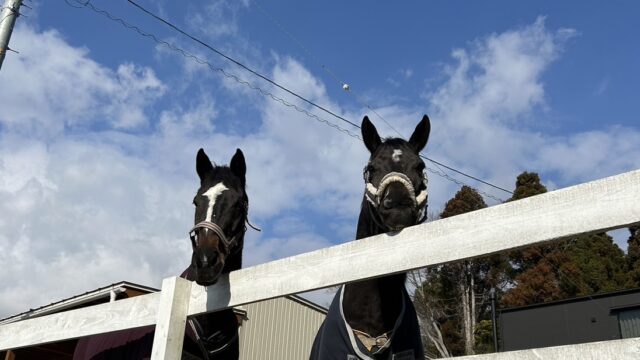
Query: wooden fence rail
596,206
626,349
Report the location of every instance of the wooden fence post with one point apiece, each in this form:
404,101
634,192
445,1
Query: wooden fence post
172,318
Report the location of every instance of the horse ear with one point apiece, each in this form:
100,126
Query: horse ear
420,135
238,165
370,135
203,164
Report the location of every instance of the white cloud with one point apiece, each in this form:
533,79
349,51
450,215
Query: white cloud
81,208
88,215
217,18
602,87
57,85
78,209
99,206
485,114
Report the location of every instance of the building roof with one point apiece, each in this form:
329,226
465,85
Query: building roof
79,300
106,292
574,299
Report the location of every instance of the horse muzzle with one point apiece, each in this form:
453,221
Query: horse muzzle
397,209
396,201
208,264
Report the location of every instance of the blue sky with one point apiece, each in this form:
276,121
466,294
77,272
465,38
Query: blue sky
99,126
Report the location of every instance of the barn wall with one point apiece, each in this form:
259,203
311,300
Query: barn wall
574,321
278,329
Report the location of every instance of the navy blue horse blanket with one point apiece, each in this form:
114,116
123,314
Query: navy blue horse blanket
336,341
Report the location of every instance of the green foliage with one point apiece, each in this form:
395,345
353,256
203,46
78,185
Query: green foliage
579,266
527,184
532,270
583,265
601,266
465,200
484,337
633,257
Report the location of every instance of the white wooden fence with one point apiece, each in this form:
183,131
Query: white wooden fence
596,206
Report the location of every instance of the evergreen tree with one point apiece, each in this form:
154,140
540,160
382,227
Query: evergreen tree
533,269
633,257
583,265
600,265
527,184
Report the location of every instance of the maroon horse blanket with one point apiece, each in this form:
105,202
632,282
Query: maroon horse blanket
217,336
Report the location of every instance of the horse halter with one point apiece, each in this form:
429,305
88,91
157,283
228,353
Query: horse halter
227,243
375,194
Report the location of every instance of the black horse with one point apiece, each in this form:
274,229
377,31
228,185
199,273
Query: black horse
375,319
217,240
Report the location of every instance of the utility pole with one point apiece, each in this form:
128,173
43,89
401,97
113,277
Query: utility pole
494,319
10,11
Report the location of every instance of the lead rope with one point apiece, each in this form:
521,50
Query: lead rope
374,217
197,329
192,323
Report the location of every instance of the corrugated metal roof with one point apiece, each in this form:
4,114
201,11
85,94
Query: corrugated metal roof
76,300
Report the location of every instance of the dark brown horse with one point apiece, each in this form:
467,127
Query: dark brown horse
375,319
217,238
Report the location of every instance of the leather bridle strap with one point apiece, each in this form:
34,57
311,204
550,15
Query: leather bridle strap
374,216
204,341
228,243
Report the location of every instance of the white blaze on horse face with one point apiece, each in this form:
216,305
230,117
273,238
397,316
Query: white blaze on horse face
212,194
397,153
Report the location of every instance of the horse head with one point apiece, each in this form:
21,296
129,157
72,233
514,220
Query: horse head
395,178
221,206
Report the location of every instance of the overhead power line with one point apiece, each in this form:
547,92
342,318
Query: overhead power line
348,88
266,93
212,67
326,68
176,28
234,77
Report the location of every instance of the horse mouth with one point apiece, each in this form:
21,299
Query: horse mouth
206,280
208,276
397,219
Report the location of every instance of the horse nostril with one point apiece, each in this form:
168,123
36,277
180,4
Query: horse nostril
206,258
387,203
201,262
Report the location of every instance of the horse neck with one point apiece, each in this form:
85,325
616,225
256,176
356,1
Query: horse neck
234,261
223,321
374,305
